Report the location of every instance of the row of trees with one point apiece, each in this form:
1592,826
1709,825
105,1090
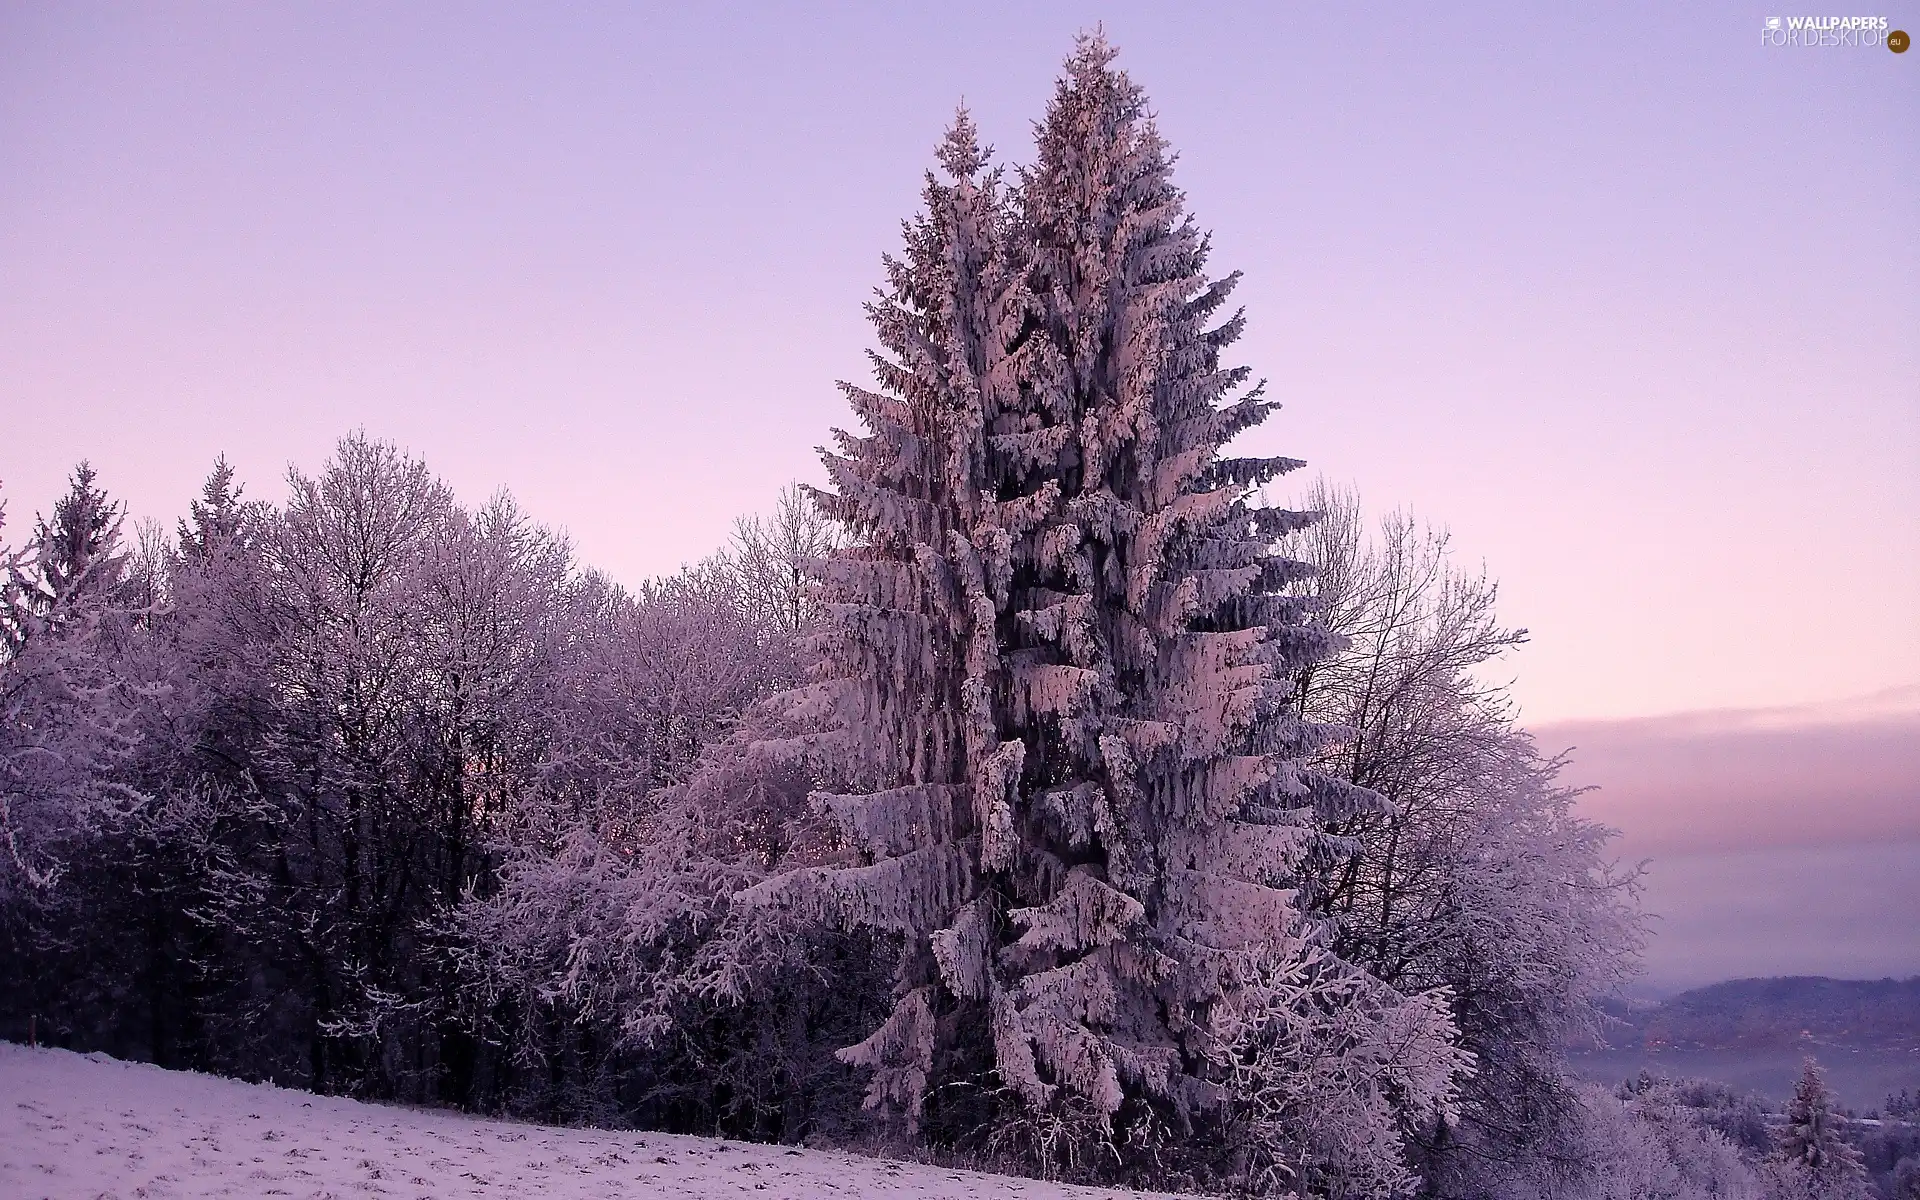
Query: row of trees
251,770
1684,1138
1037,796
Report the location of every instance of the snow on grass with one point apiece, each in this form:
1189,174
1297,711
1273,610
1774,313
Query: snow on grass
90,1126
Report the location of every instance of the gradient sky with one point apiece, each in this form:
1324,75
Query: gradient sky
1778,841
1628,300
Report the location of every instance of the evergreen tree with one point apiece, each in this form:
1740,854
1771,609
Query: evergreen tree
79,548
1057,655
217,518
1818,1160
68,712
1902,1106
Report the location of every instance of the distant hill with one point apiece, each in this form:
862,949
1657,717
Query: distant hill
1753,1034
1801,1011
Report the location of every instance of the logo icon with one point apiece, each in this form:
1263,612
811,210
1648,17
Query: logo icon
1773,23
1898,41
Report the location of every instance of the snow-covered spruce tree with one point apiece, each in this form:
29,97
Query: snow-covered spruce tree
79,549
220,519
1813,1160
68,717
1056,655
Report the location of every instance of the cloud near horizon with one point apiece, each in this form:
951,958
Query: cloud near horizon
1751,779
1780,841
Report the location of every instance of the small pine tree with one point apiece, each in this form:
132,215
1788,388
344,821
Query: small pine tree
1903,1105
217,518
79,548
1812,1154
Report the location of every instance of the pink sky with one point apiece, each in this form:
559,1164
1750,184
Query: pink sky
1754,779
1625,298
1778,840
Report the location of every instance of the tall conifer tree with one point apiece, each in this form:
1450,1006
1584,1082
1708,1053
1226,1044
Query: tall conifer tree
1057,657
78,549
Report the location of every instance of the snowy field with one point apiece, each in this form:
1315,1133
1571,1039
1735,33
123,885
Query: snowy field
90,1126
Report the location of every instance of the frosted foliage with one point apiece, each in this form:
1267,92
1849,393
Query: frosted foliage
1483,878
770,557
1084,914
1226,913
1060,644
899,1053
1644,1148
896,822
916,893
963,951
1326,1062
68,712
1814,1160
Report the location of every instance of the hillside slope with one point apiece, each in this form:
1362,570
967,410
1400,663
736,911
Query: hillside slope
1755,1033
90,1126
1803,1011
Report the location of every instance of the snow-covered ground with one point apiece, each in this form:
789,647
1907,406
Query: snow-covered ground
89,1126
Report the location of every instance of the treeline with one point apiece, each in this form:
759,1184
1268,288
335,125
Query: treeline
370,793
1688,1137
253,770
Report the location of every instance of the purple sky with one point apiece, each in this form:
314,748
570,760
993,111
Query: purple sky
1628,300
1783,840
